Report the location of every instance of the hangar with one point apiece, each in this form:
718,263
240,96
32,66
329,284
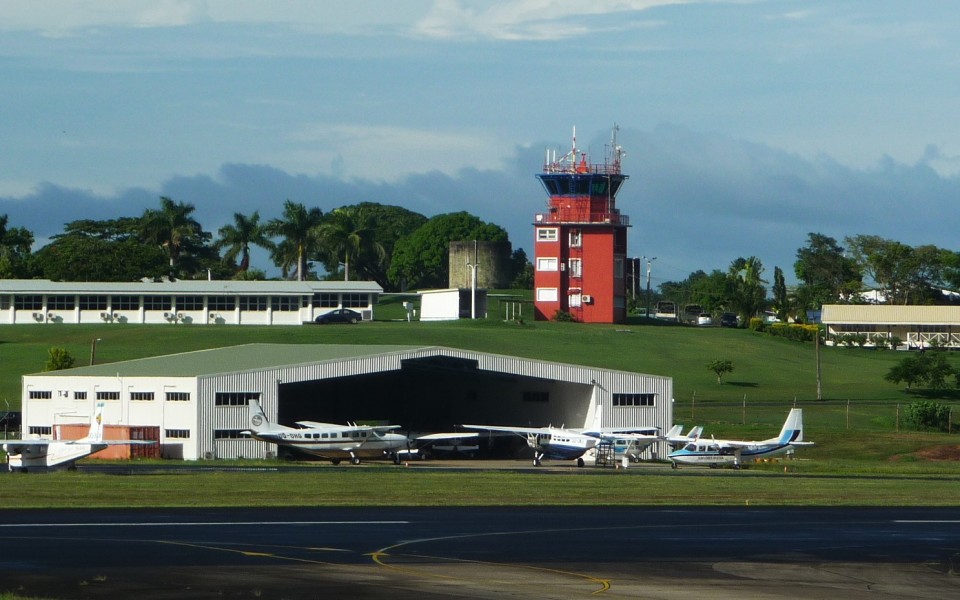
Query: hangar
198,400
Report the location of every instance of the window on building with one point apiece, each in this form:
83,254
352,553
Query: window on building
547,295
634,399
41,430
189,302
285,303
79,395
222,303
326,300
576,268
235,398
536,396
157,302
229,434
546,264
575,300
177,434
576,238
141,395
4,302
178,396
125,302
547,234
356,300
253,303
108,395
40,394
61,302
618,267
28,302
93,302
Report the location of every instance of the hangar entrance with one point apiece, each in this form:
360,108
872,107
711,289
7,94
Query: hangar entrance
434,394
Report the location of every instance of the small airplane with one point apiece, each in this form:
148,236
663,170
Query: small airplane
338,442
715,453
568,444
23,455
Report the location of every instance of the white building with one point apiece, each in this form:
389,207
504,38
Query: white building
197,302
199,399
914,326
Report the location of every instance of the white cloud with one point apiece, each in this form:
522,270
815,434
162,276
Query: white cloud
527,19
388,153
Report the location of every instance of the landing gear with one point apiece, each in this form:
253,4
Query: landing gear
580,462
334,461
354,460
536,458
673,465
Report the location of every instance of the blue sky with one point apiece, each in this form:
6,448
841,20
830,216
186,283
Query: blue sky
747,124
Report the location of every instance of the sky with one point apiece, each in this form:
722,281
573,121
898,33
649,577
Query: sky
747,124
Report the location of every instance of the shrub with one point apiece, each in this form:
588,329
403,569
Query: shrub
925,414
756,324
562,316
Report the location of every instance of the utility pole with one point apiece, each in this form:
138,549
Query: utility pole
649,261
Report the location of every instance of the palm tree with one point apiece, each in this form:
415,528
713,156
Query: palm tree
238,237
749,293
349,234
173,228
298,228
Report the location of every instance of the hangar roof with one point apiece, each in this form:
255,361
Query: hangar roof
185,286
230,360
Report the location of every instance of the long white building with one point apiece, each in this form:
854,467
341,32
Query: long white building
199,399
184,301
913,326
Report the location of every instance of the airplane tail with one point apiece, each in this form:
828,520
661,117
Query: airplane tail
257,420
95,434
695,432
793,427
675,431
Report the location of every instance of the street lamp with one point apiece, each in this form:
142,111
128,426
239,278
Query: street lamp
473,282
649,261
93,351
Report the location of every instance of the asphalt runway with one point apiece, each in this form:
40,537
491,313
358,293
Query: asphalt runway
397,553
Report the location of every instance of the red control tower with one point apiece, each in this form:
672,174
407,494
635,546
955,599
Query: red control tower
581,241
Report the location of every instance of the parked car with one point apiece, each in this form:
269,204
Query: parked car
341,315
729,319
704,319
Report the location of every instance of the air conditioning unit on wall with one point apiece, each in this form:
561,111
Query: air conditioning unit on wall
587,299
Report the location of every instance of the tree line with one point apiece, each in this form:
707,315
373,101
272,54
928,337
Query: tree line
827,273
397,248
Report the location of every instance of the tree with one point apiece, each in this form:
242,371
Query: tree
926,414
15,245
348,235
781,302
298,230
172,228
521,270
58,359
720,367
109,250
825,272
422,258
390,224
747,294
930,369
238,237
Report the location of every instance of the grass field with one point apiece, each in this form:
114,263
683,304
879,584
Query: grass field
856,426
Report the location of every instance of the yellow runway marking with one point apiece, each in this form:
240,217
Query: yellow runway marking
249,552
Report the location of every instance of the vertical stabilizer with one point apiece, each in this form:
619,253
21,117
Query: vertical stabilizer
793,427
257,420
96,425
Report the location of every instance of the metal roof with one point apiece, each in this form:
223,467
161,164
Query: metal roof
889,314
231,359
204,286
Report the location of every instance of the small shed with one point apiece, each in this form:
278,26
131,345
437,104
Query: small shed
452,304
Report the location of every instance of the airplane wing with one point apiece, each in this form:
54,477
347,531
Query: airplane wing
317,424
650,431
513,430
436,437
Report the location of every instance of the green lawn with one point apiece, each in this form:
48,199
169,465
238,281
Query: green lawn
855,427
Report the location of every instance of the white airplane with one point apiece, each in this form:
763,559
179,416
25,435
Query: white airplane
715,453
23,455
327,440
568,444
338,442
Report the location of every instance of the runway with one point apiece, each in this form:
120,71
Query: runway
529,552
